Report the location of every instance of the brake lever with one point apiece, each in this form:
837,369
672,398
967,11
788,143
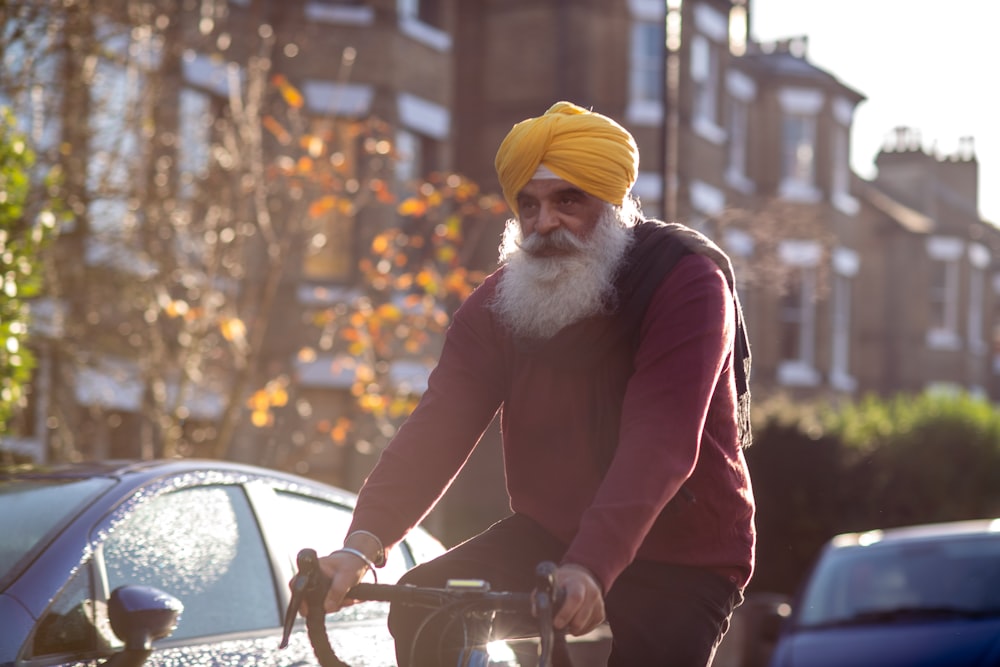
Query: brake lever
303,587
553,649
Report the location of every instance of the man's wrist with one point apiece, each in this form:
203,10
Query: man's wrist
368,543
586,570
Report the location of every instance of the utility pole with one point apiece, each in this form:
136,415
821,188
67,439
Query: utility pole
671,79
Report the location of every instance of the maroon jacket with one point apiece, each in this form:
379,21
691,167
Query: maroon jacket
624,448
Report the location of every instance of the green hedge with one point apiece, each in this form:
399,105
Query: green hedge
875,463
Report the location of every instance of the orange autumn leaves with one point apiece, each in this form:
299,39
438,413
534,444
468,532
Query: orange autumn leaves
411,275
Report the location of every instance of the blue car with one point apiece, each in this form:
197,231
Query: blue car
921,596
173,563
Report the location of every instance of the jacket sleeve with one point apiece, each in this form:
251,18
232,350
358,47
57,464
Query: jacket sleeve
464,392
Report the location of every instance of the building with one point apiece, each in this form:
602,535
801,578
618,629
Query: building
850,286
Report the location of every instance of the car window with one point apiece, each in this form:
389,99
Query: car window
322,525
33,510
203,546
959,574
76,622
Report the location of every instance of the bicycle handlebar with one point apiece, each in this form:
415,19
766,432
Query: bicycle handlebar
310,585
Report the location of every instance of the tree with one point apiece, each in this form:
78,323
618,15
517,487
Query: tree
199,210
25,229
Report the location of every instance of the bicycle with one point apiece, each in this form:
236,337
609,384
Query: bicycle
461,599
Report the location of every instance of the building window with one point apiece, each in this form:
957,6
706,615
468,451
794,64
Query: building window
845,267
330,255
346,12
425,11
800,108
736,172
979,259
196,118
646,78
942,294
944,255
705,68
741,91
423,21
841,184
797,314
798,139
417,157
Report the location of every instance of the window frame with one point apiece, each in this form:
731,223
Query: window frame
944,255
802,258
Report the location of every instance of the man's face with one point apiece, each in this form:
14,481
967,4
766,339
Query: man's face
561,258
547,205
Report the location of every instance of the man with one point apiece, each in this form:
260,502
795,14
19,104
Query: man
615,350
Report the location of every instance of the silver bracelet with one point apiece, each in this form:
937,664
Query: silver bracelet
360,554
380,561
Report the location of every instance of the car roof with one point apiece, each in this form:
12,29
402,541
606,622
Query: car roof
136,473
922,532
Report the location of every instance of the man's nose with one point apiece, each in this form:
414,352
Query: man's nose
548,219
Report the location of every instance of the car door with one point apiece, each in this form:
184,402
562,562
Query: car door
202,544
296,519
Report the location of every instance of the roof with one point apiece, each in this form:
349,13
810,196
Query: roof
788,59
908,218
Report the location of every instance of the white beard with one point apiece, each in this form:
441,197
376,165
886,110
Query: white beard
538,296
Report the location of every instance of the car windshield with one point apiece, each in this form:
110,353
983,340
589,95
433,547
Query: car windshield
33,510
914,580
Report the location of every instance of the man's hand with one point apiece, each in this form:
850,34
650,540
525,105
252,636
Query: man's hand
344,570
583,607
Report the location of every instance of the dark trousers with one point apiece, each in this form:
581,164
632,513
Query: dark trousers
660,615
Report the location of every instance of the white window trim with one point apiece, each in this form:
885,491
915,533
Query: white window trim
804,101
356,15
648,186
426,34
736,174
846,204
843,111
796,190
979,259
949,250
706,198
707,127
647,10
341,99
845,266
841,181
423,116
200,71
643,111
711,23
739,243
741,86
801,372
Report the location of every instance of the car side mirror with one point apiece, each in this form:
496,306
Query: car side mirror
140,615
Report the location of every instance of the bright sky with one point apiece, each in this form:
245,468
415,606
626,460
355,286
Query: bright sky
925,64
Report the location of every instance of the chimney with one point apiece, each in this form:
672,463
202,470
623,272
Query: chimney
959,172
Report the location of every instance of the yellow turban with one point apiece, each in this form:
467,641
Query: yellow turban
587,149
